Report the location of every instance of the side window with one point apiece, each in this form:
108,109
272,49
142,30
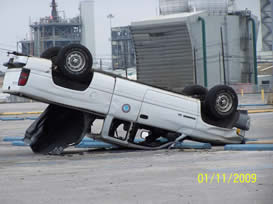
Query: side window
119,129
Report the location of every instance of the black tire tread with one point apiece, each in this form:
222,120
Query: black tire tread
51,53
195,91
81,77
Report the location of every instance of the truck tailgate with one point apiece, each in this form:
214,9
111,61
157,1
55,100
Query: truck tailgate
11,80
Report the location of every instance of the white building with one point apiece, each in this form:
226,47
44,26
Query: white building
194,41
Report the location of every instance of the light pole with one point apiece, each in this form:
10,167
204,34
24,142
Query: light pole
110,17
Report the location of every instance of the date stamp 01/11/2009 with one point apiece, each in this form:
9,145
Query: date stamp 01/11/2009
226,178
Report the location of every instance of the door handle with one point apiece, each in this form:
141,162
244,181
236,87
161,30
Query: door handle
145,117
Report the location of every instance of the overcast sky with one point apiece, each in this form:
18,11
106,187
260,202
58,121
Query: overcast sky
15,17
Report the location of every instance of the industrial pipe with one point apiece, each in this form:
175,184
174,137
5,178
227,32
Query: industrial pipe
254,49
204,49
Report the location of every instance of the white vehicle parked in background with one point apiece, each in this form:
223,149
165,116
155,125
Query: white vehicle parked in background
79,95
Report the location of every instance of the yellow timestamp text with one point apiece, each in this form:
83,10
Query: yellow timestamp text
226,178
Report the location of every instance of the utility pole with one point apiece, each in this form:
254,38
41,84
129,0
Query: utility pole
110,17
100,64
272,19
31,41
223,56
125,58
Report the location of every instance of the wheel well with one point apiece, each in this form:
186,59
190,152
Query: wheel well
60,80
224,123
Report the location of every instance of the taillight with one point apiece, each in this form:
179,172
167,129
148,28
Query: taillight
23,77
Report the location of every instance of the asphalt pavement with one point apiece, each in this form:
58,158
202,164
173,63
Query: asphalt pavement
22,107
127,176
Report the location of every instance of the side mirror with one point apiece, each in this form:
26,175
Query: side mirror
144,134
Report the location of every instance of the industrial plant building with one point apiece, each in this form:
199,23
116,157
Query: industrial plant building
55,30
123,53
194,41
206,42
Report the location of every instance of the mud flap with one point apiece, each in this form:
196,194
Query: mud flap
56,129
243,121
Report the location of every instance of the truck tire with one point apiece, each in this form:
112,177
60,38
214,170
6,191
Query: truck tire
195,91
221,102
51,53
75,61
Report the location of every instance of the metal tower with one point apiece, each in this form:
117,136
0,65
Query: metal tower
266,18
54,13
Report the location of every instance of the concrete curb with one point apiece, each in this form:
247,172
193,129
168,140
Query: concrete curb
17,118
95,144
260,142
21,113
240,105
261,111
250,147
11,119
19,144
191,145
13,139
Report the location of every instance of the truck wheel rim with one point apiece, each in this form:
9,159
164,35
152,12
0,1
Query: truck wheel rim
224,103
75,61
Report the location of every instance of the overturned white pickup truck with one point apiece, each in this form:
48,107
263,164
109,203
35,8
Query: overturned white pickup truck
79,95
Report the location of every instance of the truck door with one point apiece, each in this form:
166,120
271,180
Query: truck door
168,110
127,99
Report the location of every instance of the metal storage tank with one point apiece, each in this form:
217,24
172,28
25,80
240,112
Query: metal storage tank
88,25
179,6
173,6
